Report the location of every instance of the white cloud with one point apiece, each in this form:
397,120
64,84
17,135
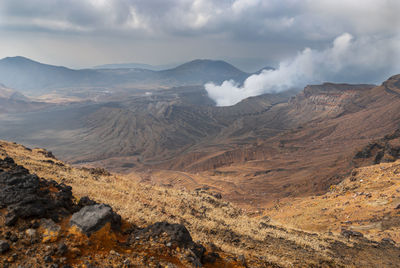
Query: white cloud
347,60
241,5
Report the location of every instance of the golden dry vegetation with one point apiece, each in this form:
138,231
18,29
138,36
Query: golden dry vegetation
366,202
210,220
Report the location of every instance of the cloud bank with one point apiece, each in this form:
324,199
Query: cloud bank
363,60
164,31
238,18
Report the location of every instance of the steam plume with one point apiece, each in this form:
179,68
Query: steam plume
365,60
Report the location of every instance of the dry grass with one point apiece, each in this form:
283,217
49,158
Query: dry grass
210,220
365,202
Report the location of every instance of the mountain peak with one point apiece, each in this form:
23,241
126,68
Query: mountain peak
18,59
23,61
207,63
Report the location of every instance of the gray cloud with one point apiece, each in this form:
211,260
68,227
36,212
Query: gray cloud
273,30
312,19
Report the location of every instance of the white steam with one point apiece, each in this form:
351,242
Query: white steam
347,60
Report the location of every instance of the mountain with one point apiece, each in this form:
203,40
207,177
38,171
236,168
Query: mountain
36,78
322,129
203,71
12,101
136,66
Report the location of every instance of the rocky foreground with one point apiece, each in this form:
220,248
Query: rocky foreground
44,222
42,225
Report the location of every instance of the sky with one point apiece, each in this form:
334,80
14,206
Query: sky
248,33
80,33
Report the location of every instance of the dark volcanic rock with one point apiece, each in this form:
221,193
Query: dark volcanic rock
350,233
92,218
62,249
86,201
10,219
27,196
4,246
177,233
47,154
211,257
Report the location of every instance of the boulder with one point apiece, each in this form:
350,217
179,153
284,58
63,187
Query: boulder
92,218
351,233
177,233
4,246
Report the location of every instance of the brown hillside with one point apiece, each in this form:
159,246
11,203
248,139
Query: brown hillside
215,223
367,201
334,122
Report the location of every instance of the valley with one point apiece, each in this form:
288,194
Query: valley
279,159
263,149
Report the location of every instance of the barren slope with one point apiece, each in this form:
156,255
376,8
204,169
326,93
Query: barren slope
334,121
366,201
209,219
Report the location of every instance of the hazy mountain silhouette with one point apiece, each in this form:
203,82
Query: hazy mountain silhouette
202,71
32,77
134,65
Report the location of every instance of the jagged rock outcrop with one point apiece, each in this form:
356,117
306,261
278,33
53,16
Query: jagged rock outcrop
27,196
327,100
384,150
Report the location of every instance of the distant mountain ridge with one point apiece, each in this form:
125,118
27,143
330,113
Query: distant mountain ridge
31,77
12,101
10,94
134,65
212,70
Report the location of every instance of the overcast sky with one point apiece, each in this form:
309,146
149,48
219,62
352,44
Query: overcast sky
249,33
